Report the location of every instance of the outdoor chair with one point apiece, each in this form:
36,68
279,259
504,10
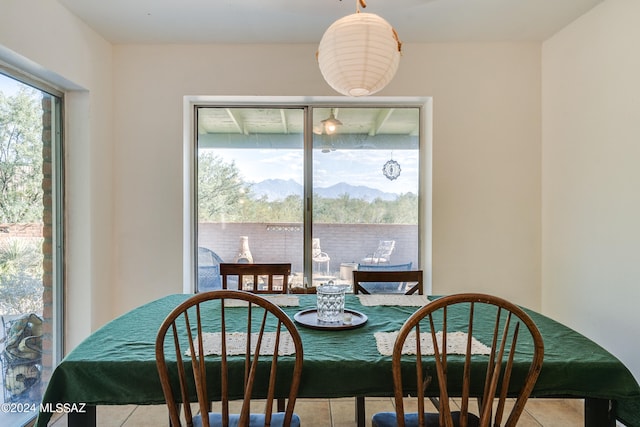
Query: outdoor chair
382,255
317,255
193,346
486,373
208,270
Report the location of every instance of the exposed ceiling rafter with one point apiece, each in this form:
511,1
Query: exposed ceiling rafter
239,124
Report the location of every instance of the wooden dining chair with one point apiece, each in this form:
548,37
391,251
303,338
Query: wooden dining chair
484,368
257,278
382,281
226,345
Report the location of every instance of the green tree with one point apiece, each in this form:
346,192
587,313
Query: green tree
348,210
21,157
223,196
221,190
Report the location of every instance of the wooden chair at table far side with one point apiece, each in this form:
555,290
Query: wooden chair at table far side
511,323
274,272
377,276
189,316
271,271
412,276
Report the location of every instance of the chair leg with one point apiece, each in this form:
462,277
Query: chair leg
281,404
360,411
435,401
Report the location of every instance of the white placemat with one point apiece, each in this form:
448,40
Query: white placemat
279,300
456,343
236,343
393,299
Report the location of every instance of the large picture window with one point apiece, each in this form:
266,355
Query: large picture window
328,188
31,244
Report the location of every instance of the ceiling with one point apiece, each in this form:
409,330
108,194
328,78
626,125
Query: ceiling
358,127
304,21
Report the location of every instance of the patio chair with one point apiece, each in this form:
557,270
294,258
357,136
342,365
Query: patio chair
382,255
257,329
208,270
427,332
256,278
317,255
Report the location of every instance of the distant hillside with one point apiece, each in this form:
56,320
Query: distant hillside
278,189
355,192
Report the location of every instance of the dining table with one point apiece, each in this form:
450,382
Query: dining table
116,364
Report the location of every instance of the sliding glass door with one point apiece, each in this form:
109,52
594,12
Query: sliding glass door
250,189
337,183
31,245
365,190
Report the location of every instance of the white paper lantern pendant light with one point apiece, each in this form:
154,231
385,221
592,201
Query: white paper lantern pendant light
359,54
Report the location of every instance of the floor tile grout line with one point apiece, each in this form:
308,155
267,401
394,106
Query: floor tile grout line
335,406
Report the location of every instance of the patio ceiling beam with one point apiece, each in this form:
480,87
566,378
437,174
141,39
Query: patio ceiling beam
381,119
239,124
285,123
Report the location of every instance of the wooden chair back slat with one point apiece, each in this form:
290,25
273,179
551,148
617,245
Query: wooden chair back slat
271,272
184,329
505,336
224,366
466,375
419,377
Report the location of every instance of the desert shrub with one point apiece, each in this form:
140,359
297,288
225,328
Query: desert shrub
21,276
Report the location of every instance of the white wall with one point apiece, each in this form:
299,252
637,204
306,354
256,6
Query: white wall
124,164
591,176
41,38
486,144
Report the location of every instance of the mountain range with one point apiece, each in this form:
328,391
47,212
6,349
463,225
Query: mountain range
279,189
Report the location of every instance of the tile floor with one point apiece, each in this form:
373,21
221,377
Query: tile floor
341,413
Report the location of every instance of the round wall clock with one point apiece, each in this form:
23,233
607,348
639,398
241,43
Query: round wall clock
391,169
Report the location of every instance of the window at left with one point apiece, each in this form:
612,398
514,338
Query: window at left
30,244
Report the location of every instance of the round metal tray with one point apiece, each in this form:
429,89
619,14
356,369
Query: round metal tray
309,318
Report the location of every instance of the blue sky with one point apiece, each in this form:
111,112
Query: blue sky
8,86
355,167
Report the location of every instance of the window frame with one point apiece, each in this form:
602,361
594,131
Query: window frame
190,222
57,193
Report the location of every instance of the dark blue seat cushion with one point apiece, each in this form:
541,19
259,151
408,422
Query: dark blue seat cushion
255,420
388,419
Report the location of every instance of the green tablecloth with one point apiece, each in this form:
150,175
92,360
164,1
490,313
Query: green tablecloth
116,364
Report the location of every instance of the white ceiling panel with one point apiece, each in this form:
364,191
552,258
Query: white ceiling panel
304,21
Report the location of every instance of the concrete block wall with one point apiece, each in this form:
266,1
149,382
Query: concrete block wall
344,243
